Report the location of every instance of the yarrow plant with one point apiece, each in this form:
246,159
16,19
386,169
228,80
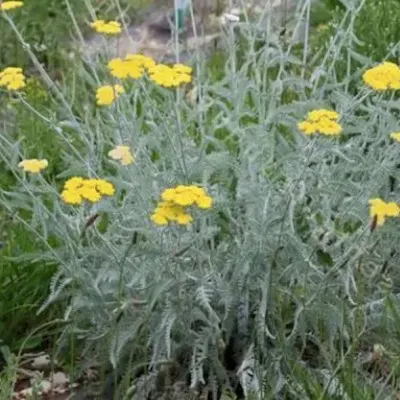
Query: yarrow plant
270,256
77,189
321,121
12,78
108,28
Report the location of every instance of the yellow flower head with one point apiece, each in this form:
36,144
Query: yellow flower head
187,196
12,78
105,95
395,136
71,197
381,210
105,188
33,165
162,75
168,212
132,66
140,60
383,77
89,193
108,28
77,189
183,69
122,154
174,76
321,121
174,203
74,183
10,5
322,114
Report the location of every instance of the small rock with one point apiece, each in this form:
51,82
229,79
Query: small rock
227,18
41,363
59,379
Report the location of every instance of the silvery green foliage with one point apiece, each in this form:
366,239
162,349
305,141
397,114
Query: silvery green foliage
247,376
285,257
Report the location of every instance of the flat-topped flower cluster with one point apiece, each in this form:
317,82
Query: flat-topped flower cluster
175,202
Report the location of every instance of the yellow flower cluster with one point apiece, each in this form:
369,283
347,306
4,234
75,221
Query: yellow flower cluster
78,189
109,28
174,76
105,95
10,5
382,77
12,78
380,210
33,165
132,66
136,65
122,154
166,212
174,203
321,121
395,136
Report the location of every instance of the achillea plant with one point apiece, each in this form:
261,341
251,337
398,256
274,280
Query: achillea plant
275,262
